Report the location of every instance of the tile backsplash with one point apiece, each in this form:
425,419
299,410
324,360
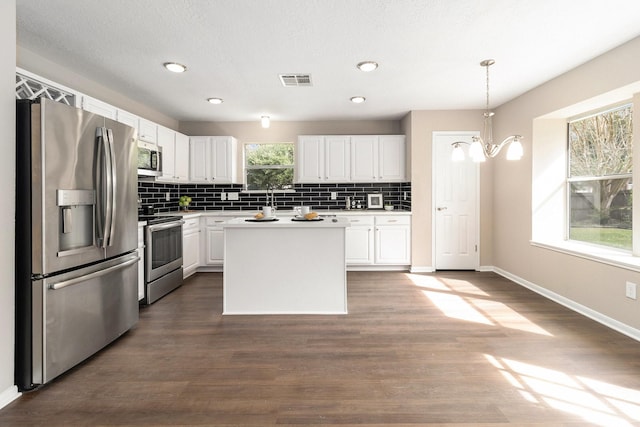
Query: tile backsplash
317,196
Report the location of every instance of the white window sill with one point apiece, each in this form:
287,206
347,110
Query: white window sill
609,256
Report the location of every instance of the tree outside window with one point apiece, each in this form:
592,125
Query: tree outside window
269,166
600,186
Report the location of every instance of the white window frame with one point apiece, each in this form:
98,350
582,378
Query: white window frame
573,179
549,225
246,167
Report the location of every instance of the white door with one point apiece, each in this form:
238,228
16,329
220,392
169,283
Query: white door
455,204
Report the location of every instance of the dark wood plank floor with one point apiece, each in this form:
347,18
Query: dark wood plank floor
449,349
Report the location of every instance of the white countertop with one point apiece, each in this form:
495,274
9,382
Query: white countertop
285,222
284,213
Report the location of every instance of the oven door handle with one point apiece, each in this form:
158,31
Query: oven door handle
166,225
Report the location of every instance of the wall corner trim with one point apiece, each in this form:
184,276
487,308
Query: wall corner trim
572,305
9,395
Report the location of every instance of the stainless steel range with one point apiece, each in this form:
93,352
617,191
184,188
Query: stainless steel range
163,256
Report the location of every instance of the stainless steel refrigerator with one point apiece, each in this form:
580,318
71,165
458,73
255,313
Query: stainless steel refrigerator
76,237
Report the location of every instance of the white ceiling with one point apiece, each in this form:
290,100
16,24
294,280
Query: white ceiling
428,50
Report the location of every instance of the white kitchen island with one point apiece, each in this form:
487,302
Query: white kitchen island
285,267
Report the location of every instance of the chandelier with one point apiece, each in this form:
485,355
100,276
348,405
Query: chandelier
482,147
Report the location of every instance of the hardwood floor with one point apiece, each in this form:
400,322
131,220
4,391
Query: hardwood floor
448,349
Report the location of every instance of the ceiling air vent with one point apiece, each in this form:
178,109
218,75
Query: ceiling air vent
295,80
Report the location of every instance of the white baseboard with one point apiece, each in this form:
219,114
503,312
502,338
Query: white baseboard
572,305
9,395
425,269
486,268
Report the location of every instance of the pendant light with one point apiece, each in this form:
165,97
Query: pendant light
483,146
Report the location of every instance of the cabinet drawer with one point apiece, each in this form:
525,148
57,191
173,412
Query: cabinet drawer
214,221
357,220
393,220
191,224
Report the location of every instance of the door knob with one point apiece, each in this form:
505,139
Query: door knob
442,208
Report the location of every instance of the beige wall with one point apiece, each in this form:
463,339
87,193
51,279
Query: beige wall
289,131
419,126
58,73
600,287
7,213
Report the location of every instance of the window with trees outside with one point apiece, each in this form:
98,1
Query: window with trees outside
269,166
599,181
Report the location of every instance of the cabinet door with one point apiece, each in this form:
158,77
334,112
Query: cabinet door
190,253
391,158
96,106
392,245
181,152
364,158
310,159
359,245
215,246
166,139
222,158
337,165
198,150
147,131
128,119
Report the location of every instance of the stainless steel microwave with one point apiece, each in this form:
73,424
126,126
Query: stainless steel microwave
149,159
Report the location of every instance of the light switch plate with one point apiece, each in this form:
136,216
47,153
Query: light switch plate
334,195
232,196
223,196
631,290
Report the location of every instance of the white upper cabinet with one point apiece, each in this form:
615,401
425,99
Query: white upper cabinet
378,158
364,158
181,157
392,158
96,106
322,159
127,118
147,131
213,159
175,155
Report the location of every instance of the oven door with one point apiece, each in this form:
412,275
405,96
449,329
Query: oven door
163,252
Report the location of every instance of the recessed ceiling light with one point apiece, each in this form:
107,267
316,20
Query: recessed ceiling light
358,99
265,121
215,100
175,67
367,66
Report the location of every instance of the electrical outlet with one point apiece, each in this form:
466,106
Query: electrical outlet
334,195
223,196
631,290
167,196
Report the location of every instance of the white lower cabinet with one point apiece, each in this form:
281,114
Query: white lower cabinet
393,240
213,245
378,241
359,238
141,262
190,246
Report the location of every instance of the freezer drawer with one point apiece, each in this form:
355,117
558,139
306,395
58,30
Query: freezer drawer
78,313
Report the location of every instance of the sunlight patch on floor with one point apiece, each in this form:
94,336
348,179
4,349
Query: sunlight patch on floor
595,401
460,299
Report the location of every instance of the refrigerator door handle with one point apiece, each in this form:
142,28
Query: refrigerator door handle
104,186
112,205
80,279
